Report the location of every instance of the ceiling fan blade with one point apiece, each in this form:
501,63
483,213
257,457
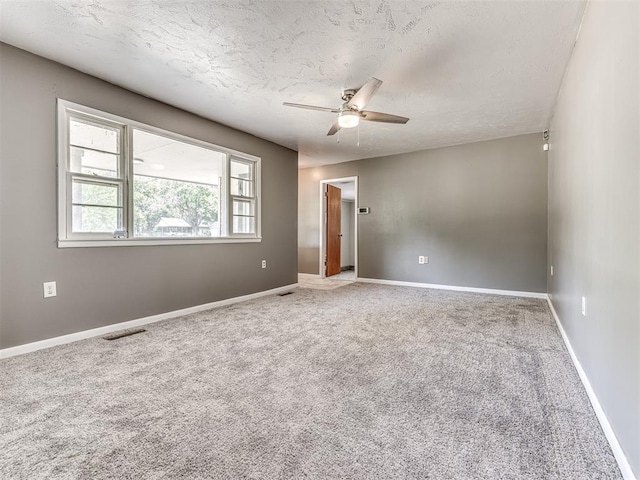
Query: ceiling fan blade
311,107
363,96
382,117
334,129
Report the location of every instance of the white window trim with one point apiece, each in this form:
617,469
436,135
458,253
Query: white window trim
98,240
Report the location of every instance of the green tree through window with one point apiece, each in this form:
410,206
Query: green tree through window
158,198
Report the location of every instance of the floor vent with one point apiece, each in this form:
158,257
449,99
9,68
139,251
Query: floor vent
125,333
285,293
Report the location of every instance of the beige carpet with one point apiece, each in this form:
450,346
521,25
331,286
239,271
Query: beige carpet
360,382
329,283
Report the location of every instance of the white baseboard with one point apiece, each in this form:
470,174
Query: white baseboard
95,332
491,291
618,453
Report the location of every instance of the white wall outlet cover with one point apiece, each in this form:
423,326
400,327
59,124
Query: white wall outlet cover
421,260
49,289
264,264
426,259
584,307
552,270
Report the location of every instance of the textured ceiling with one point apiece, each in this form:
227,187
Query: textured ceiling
461,70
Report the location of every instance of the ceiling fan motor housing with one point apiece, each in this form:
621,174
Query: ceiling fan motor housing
348,94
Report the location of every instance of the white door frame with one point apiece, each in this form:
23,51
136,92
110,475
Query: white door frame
323,224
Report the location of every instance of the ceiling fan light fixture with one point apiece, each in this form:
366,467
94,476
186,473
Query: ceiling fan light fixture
348,119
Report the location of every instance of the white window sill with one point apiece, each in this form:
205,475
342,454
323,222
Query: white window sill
129,242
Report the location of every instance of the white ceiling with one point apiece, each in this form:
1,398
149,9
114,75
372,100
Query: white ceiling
461,70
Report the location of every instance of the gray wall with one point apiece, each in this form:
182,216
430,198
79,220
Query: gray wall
347,230
594,212
101,286
479,211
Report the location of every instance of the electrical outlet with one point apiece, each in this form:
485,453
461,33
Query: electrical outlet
49,289
426,259
552,270
264,264
421,260
584,307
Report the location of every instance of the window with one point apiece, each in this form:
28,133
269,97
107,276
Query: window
243,196
176,187
122,182
95,177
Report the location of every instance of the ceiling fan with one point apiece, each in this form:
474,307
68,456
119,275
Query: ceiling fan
351,111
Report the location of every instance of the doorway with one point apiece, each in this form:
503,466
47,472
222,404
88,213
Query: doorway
339,228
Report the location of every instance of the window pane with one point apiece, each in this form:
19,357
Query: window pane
241,170
85,134
96,219
244,224
95,193
242,188
243,207
176,188
94,163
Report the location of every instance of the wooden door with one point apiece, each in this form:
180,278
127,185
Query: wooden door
334,203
